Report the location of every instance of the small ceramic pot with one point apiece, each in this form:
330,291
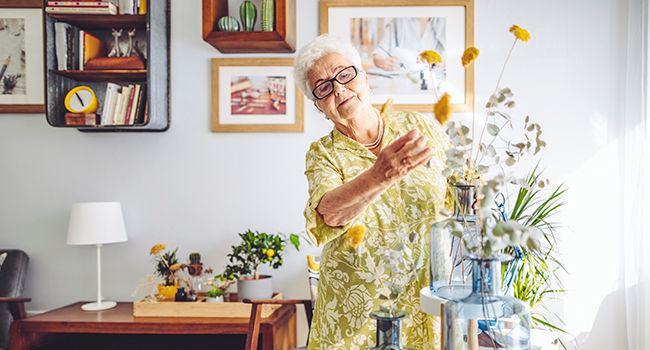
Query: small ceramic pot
167,291
218,299
248,287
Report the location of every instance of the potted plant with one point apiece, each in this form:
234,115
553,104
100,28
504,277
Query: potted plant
256,248
166,265
214,296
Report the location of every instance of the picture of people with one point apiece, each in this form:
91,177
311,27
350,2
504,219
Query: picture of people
12,56
390,48
258,95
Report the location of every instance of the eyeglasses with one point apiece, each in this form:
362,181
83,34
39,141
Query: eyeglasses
325,88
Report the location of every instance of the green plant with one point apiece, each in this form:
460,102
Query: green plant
256,248
166,263
214,293
536,280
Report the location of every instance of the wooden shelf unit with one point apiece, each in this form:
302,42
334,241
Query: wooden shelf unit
155,77
103,75
103,21
282,39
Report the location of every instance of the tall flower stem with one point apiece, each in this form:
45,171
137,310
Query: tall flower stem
487,115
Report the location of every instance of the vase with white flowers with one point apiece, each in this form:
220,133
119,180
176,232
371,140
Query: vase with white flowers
478,168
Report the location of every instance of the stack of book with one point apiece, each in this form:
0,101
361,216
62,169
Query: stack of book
113,7
74,47
123,105
82,7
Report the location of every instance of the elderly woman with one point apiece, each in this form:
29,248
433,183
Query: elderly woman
380,172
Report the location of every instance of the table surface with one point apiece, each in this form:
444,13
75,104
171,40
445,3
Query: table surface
72,318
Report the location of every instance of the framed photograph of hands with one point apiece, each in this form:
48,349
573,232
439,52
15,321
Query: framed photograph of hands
391,34
255,95
21,56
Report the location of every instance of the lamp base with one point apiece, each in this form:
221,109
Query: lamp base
104,305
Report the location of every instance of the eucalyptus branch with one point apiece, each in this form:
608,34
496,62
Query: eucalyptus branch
491,103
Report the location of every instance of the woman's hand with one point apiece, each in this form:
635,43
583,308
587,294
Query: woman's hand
401,157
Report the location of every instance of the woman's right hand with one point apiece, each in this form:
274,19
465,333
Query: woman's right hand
401,157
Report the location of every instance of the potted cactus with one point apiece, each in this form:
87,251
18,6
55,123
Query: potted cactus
195,267
256,248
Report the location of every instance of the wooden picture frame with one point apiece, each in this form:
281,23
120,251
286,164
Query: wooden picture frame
380,30
255,95
21,53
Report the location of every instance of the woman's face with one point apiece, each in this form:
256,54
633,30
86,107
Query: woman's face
346,101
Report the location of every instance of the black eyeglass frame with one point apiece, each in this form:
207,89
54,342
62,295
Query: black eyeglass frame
331,81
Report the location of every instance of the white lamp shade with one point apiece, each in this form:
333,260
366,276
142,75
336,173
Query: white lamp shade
96,223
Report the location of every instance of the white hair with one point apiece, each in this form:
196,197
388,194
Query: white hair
319,47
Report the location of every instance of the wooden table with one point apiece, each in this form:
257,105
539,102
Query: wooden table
277,332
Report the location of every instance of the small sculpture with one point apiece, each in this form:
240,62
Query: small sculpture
115,52
130,50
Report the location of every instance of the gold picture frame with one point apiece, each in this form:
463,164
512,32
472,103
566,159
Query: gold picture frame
367,22
255,95
21,57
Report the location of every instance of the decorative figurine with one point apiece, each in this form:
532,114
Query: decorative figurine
115,52
248,15
130,50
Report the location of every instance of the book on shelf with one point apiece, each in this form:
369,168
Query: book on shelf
122,105
82,7
90,47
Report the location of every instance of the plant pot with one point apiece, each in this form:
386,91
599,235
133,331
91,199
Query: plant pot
251,288
167,291
218,299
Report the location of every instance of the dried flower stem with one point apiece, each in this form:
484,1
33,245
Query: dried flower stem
496,88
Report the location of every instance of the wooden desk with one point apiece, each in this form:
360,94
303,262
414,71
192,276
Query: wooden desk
277,332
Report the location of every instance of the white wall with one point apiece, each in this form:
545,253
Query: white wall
195,189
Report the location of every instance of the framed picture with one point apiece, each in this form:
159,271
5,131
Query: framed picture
390,35
255,95
21,56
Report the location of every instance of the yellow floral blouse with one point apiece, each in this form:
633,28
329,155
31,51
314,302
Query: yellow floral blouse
348,289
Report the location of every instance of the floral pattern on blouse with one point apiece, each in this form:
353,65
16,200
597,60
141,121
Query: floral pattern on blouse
348,289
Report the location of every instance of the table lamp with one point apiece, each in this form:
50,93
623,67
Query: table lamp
96,223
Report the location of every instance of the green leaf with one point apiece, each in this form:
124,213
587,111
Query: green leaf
492,129
295,240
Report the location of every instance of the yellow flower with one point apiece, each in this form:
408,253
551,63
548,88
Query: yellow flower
270,253
355,235
521,33
442,109
469,56
431,56
155,250
174,267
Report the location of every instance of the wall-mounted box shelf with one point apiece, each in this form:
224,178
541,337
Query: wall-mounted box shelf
154,28
283,39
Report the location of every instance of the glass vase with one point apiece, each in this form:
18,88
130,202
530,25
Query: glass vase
485,319
389,330
442,282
